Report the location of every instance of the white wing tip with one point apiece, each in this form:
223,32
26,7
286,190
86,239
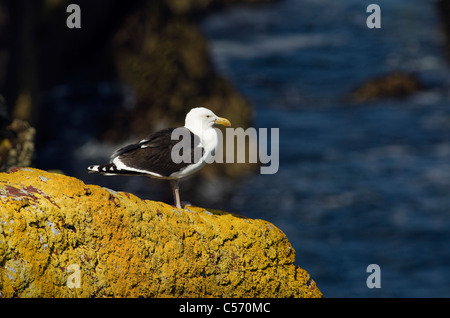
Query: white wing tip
93,168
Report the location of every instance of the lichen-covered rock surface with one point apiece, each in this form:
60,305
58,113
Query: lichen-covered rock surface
62,238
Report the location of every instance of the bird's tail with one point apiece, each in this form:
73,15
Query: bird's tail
111,169
108,169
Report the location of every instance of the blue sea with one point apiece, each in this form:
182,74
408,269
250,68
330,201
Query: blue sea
358,184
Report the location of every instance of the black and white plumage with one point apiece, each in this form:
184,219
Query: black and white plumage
152,156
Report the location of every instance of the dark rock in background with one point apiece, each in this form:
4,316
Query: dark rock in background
16,140
391,85
443,9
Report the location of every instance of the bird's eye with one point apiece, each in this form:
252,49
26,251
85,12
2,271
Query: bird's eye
207,116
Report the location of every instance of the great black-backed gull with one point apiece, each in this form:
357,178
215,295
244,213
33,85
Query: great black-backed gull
152,156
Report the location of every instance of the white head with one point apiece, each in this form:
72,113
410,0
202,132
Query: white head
200,118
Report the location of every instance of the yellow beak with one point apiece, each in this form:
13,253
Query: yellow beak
222,121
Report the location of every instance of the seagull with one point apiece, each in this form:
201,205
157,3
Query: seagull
153,155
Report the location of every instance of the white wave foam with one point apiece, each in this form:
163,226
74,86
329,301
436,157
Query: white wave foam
270,45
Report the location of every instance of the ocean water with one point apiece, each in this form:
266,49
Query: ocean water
358,184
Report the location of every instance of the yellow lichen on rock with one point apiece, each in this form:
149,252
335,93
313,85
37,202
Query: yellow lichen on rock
62,238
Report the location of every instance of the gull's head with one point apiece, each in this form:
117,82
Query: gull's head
203,118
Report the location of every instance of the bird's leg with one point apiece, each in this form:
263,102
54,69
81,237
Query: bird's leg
176,193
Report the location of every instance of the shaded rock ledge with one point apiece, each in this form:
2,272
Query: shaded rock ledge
62,238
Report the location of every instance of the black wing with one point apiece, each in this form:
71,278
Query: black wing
153,154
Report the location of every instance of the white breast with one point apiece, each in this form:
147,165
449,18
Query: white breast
209,141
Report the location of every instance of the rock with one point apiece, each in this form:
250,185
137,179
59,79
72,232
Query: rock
62,238
391,85
443,10
16,145
16,140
